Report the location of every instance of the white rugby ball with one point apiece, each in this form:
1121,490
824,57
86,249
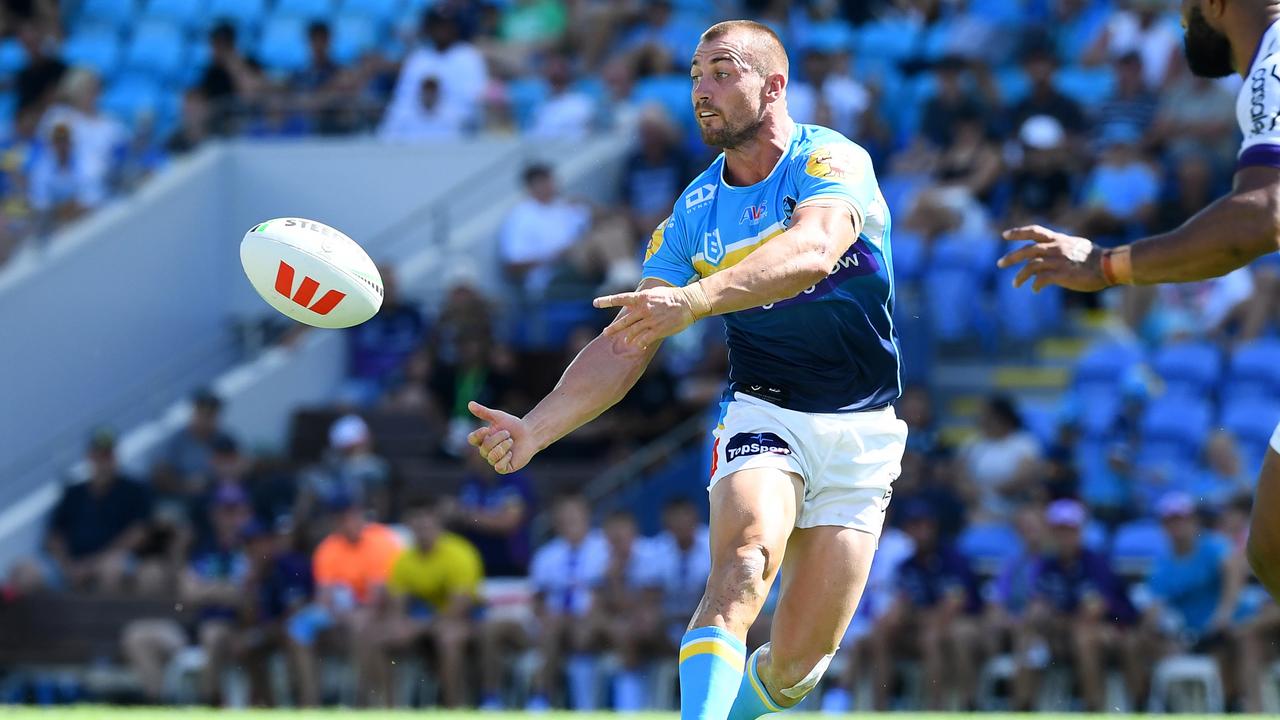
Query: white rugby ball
311,272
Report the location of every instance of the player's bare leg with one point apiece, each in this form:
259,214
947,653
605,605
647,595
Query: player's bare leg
1264,531
825,573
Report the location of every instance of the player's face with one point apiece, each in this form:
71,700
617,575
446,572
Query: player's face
1208,51
728,94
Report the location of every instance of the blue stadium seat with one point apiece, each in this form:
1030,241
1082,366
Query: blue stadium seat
1136,546
382,11
353,36
1175,428
1251,420
893,40
526,93
908,256
989,545
187,14
116,13
309,9
975,253
1099,486
97,48
951,301
1013,83
1025,316
1254,371
1099,406
669,91
1190,368
131,95
283,44
1087,86
1106,363
246,15
900,190
12,57
8,108
158,48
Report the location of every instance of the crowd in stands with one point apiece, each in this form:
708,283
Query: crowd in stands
1102,534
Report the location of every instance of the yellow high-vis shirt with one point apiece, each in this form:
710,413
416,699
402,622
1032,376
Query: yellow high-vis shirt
452,567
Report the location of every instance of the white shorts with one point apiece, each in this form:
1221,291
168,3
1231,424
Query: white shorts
1275,439
848,461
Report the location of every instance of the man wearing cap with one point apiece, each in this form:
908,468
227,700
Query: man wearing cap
1078,611
1222,37
350,469
933,616
188,453
350,567
99,524
1195,585
279,584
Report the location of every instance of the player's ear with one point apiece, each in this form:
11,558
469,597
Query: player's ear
774,86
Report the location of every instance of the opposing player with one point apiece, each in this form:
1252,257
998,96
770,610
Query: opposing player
786,235
1222,36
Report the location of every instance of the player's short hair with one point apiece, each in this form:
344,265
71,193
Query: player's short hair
765,51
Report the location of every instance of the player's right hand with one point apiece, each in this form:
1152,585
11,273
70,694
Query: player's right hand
1055,259
504,441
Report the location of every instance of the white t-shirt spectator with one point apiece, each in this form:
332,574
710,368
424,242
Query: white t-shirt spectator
993,462
99,139
538,232
1156,44
52,184
415,123
682,575
462,72
569,116
565,574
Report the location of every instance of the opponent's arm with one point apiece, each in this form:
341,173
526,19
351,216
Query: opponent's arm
1228,234
777,270
598,378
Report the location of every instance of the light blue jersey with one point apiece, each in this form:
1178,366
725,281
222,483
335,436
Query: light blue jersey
833,347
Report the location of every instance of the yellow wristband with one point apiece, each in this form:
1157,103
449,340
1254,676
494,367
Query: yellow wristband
1117,265
697,298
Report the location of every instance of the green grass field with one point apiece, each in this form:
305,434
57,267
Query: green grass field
99,712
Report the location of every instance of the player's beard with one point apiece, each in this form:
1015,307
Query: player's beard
733,135
1208,51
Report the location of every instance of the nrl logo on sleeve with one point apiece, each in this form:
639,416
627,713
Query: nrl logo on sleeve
700,195
747,444
838,162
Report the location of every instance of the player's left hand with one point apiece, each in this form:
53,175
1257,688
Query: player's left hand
1055,259
648,315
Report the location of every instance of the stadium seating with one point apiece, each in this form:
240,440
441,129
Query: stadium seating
989,546
353,36
186,14
246,15
130,96
95,47
1136,545
380,11
1174,428
1251,420
950,301
118,14
158,49
1254,372
12,56
1026,316
1105,363
283,45
1193,369
306,9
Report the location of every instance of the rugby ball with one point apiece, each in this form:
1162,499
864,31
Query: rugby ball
311,272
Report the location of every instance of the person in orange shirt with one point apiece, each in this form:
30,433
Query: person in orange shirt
351,566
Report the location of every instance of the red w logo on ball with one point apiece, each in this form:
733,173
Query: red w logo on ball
306,291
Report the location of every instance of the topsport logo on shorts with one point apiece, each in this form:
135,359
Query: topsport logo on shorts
747,444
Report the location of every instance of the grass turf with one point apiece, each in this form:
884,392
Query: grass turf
101,712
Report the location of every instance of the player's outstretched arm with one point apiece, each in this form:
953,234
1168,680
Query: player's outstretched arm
778,270
598,378
1229,234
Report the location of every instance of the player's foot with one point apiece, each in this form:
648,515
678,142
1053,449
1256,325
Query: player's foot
537,703
837,700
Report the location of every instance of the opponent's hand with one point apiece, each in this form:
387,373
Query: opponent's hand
504,441
1055,259
652,314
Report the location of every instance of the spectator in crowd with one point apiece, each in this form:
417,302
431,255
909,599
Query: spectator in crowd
1131,109
410,393
539,231
659,28
1196,115
566,113
933,617
1224,477
231,82
466,312
98,524
195,123
323,89
655,172
101,141
527,27
915,408
494,512
434,594
278,584
1140,29
942,113
1001,462
1042,183
1014,583
1044,98
350,469
61,186
830,96
444,55
563,573
378,348
970,163
428,119
930,480
1078,613
35,84
214,585
350,567
683,557
1195,587
187,455
624,618
478,372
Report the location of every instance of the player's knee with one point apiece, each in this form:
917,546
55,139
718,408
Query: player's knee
745,570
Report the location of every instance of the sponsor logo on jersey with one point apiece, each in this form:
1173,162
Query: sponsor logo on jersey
713,247
700,195
655,240
306,291
1258,100
748,444
838,162
752,214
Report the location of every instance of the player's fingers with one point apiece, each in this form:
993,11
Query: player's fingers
475,437
619,300
481,411
1047,277
1028,271
499,451
493,439
503,465
1035,233
623,322
637,334
1022,254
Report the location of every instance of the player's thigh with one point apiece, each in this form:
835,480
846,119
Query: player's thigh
1264,532
822,581
754,508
